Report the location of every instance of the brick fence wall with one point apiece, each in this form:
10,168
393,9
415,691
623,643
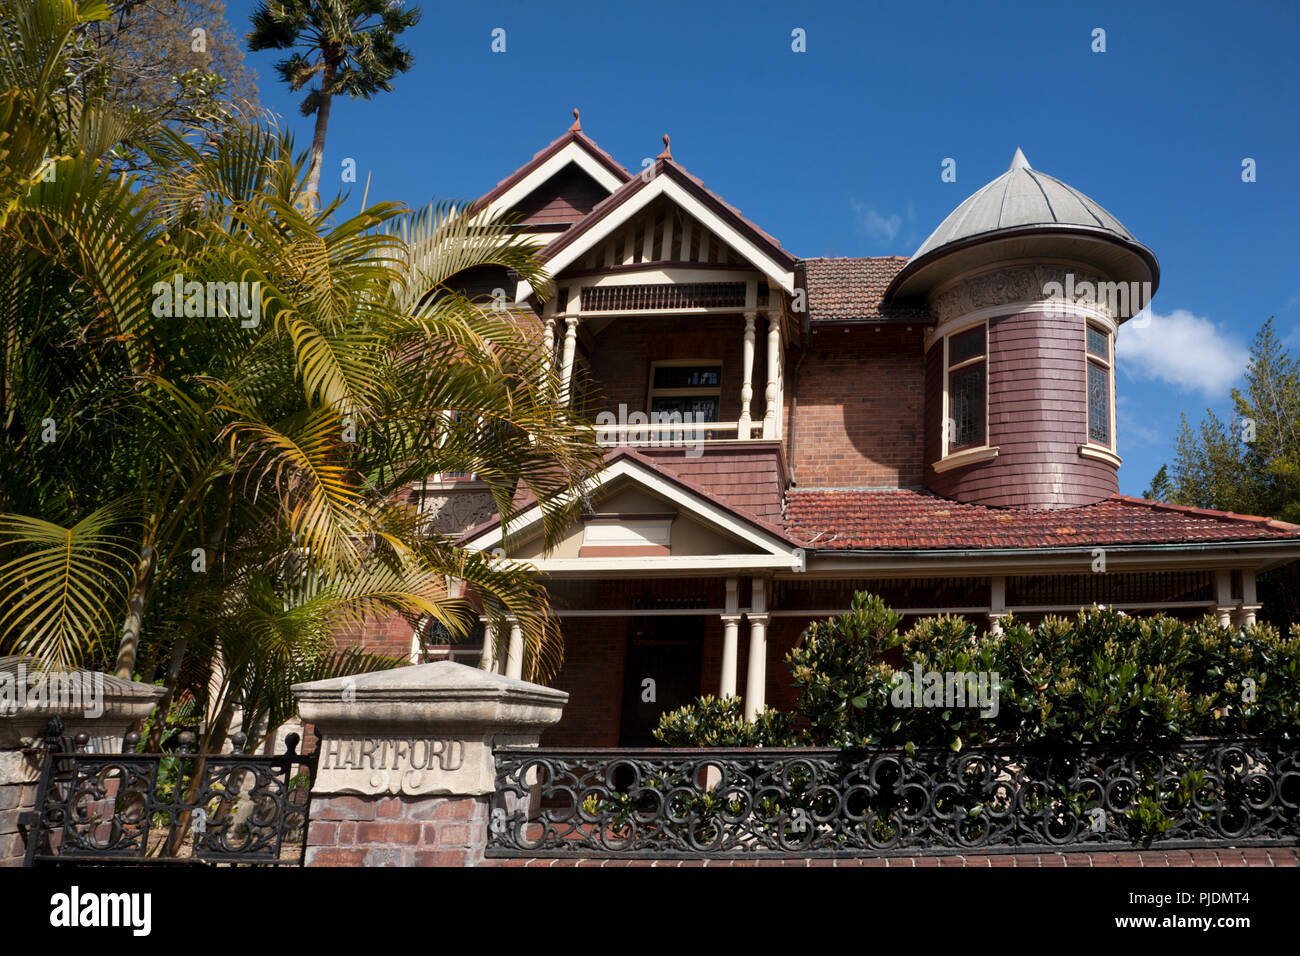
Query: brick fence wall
397,831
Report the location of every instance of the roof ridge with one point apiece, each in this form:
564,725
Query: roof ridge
1218,515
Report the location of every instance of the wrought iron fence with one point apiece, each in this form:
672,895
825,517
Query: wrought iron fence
169,808
774,802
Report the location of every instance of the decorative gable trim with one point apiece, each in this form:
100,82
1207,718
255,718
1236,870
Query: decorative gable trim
570,149
714,215
775,552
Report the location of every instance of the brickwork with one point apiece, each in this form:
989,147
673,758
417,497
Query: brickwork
18,777
388,635
861,401
397,831
624,350
1160,859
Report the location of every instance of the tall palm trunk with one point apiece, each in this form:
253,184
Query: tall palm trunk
318,140
135,613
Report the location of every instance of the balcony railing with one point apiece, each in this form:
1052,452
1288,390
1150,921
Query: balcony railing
668,435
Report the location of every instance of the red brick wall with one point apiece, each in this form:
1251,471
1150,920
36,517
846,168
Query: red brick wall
397,831
594,651
622,353
860,406
390,636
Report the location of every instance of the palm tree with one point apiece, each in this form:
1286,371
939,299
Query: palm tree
241,489
350,45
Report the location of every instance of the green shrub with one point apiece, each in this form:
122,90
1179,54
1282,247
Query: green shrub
714,722
1101,675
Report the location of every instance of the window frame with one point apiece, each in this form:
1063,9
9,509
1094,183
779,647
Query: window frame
1108,364
945,450
653,392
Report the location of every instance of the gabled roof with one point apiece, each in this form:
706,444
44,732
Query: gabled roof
847,290
574,147
906,520
628,462
666,177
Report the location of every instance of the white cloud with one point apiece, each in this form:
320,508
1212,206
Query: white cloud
873,223
1183,350
1131,426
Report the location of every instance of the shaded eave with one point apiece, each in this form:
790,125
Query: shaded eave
1119,258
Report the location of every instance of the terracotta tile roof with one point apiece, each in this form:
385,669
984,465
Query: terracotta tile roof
849,289
916,520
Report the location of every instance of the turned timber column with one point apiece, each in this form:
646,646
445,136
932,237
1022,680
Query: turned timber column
997,602
745,429
730,645
488,659
548,341
1245,616
570,350
515,654
756,674
773,361
1225,607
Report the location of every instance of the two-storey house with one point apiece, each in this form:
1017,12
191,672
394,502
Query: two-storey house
783,432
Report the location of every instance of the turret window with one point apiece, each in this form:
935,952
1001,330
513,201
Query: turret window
1101,383
966,390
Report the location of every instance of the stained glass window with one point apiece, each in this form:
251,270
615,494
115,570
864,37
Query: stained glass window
1099,404
967,374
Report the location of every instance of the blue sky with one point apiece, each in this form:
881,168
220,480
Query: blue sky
838,150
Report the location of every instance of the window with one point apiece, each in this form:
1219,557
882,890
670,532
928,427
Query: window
457,422
966,390
1100,388
687,388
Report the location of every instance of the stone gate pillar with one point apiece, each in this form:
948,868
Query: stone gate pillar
103,707
406,769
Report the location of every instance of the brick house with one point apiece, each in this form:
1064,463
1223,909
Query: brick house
782,432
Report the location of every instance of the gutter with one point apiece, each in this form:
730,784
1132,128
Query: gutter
1022,552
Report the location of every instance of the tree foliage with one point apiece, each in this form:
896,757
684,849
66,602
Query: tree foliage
1250,463
173,62
235,476
341,47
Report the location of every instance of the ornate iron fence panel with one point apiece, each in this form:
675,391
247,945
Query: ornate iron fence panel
182,807
773,802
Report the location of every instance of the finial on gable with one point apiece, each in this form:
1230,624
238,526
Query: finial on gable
667,153
577,124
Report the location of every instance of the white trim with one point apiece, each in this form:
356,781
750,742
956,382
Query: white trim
967,456
572,153
1101,454
1089,447
686,564
615,532
986,357
664,185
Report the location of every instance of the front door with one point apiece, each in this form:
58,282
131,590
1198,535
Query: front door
664,657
